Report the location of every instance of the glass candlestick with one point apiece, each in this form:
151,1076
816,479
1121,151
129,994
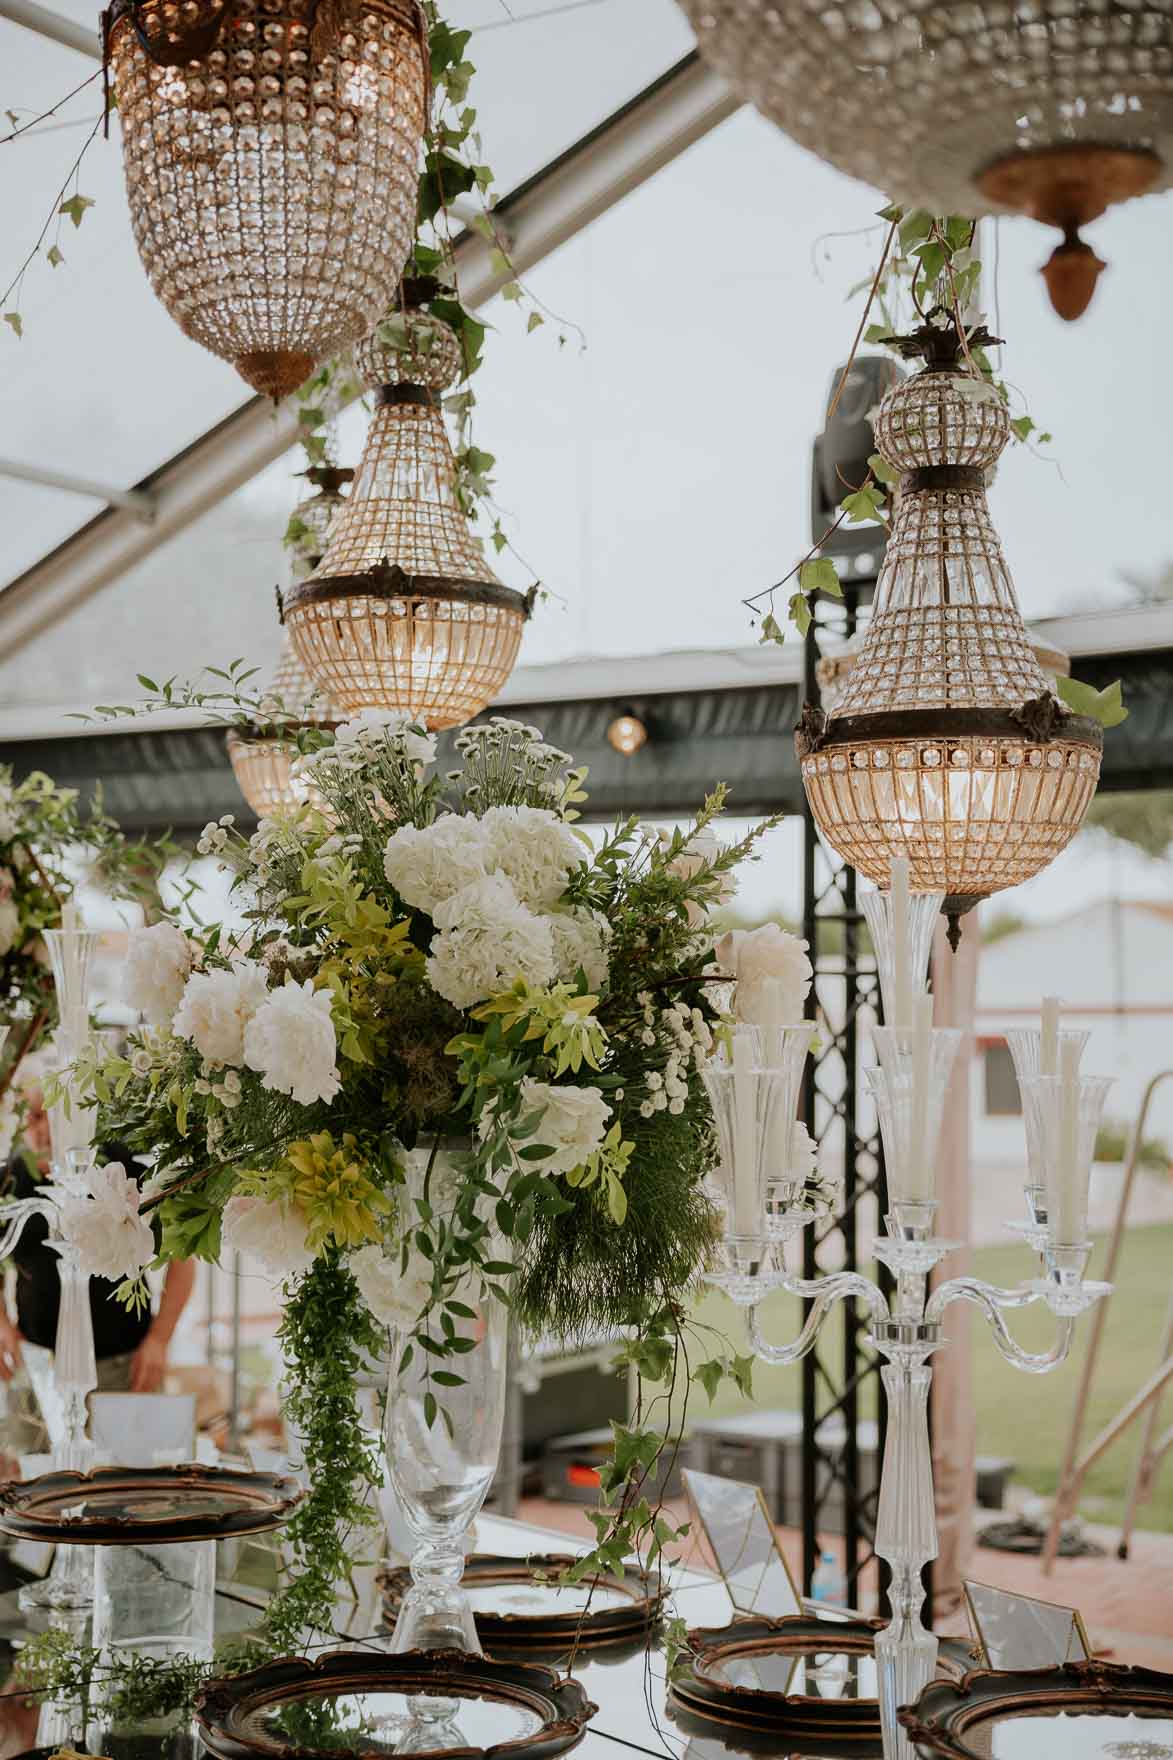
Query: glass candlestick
1063,1113
1026,1049
70,951
923,908
909,1088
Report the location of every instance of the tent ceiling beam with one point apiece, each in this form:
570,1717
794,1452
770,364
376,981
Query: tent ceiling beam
619,155
134,501
83,38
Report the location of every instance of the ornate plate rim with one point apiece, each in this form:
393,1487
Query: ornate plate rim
946,1710
722,1702
222,1704
607,1625
284,1496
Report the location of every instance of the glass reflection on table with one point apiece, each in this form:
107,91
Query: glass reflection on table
389,1722
1093,1735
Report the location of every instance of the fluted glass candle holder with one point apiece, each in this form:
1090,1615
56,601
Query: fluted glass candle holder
1065,1117
923,910
910,1101
1026,1049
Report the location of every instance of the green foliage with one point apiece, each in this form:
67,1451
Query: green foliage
1106,706
1144,820
1114,1140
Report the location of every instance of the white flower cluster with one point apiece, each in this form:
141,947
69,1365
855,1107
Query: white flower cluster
213,839
395,1298
692,1040
772,973
234,1019
491,886
105,1228
574,1123
357,741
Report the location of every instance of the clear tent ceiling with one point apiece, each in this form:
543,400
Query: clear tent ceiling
653,478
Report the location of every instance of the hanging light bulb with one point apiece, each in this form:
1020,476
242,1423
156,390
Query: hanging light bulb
403,612
1054,110
262,762
271,150
946,745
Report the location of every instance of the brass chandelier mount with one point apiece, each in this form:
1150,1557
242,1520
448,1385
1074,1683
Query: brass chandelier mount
939,341
389,580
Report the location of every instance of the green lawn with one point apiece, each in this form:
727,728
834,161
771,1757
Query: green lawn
1025,1417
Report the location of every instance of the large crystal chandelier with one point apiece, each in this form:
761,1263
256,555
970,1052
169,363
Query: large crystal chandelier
403,611
1050,109
271,150
947,746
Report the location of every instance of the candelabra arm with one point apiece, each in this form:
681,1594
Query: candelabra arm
824,1292
992,1301
15,1216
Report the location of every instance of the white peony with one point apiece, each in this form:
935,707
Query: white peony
9,925
488,940
395,1298
111,1238
269,1231
772,973
217,1006
427,865
155,970
371,725
536,849
581,938
574,1123
290,1041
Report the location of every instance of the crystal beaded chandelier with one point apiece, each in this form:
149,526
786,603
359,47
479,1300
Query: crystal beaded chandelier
271,151
403,612
946,745
262,761
1050,109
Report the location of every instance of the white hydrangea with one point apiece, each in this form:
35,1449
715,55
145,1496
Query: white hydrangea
110,1236
581,938
536,849
268,1230
488,940
772,973
9,925
395,1298
428,864
155,970
574,1123
290,1042
217,1006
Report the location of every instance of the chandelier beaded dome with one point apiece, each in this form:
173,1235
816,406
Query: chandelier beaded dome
262,761
403,612
271,151
946,745
1049,109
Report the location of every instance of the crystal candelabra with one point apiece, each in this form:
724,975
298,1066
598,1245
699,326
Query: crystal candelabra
70,1583
753,1086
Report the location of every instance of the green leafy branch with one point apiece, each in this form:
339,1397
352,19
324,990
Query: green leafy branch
63,206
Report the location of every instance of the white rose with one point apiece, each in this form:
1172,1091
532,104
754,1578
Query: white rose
370,725
574,1123
9,925
111,1238
701,850
427,864
803,1160
217,1006
269,1231
581,938
394,1298
290,1042
488,940
772,973
155,970
536,849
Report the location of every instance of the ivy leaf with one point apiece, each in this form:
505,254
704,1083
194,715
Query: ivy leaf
917,226
14,322
741,1369
863,505
710,1375
511,290
75,208
800,612
535,318
882,470
818,574
771,632
1106,706
877,333
891,212
54,255
497,538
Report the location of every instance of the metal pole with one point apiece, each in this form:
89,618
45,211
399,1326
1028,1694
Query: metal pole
1067,1488
234,1393
135,501
1150,1452
83,38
